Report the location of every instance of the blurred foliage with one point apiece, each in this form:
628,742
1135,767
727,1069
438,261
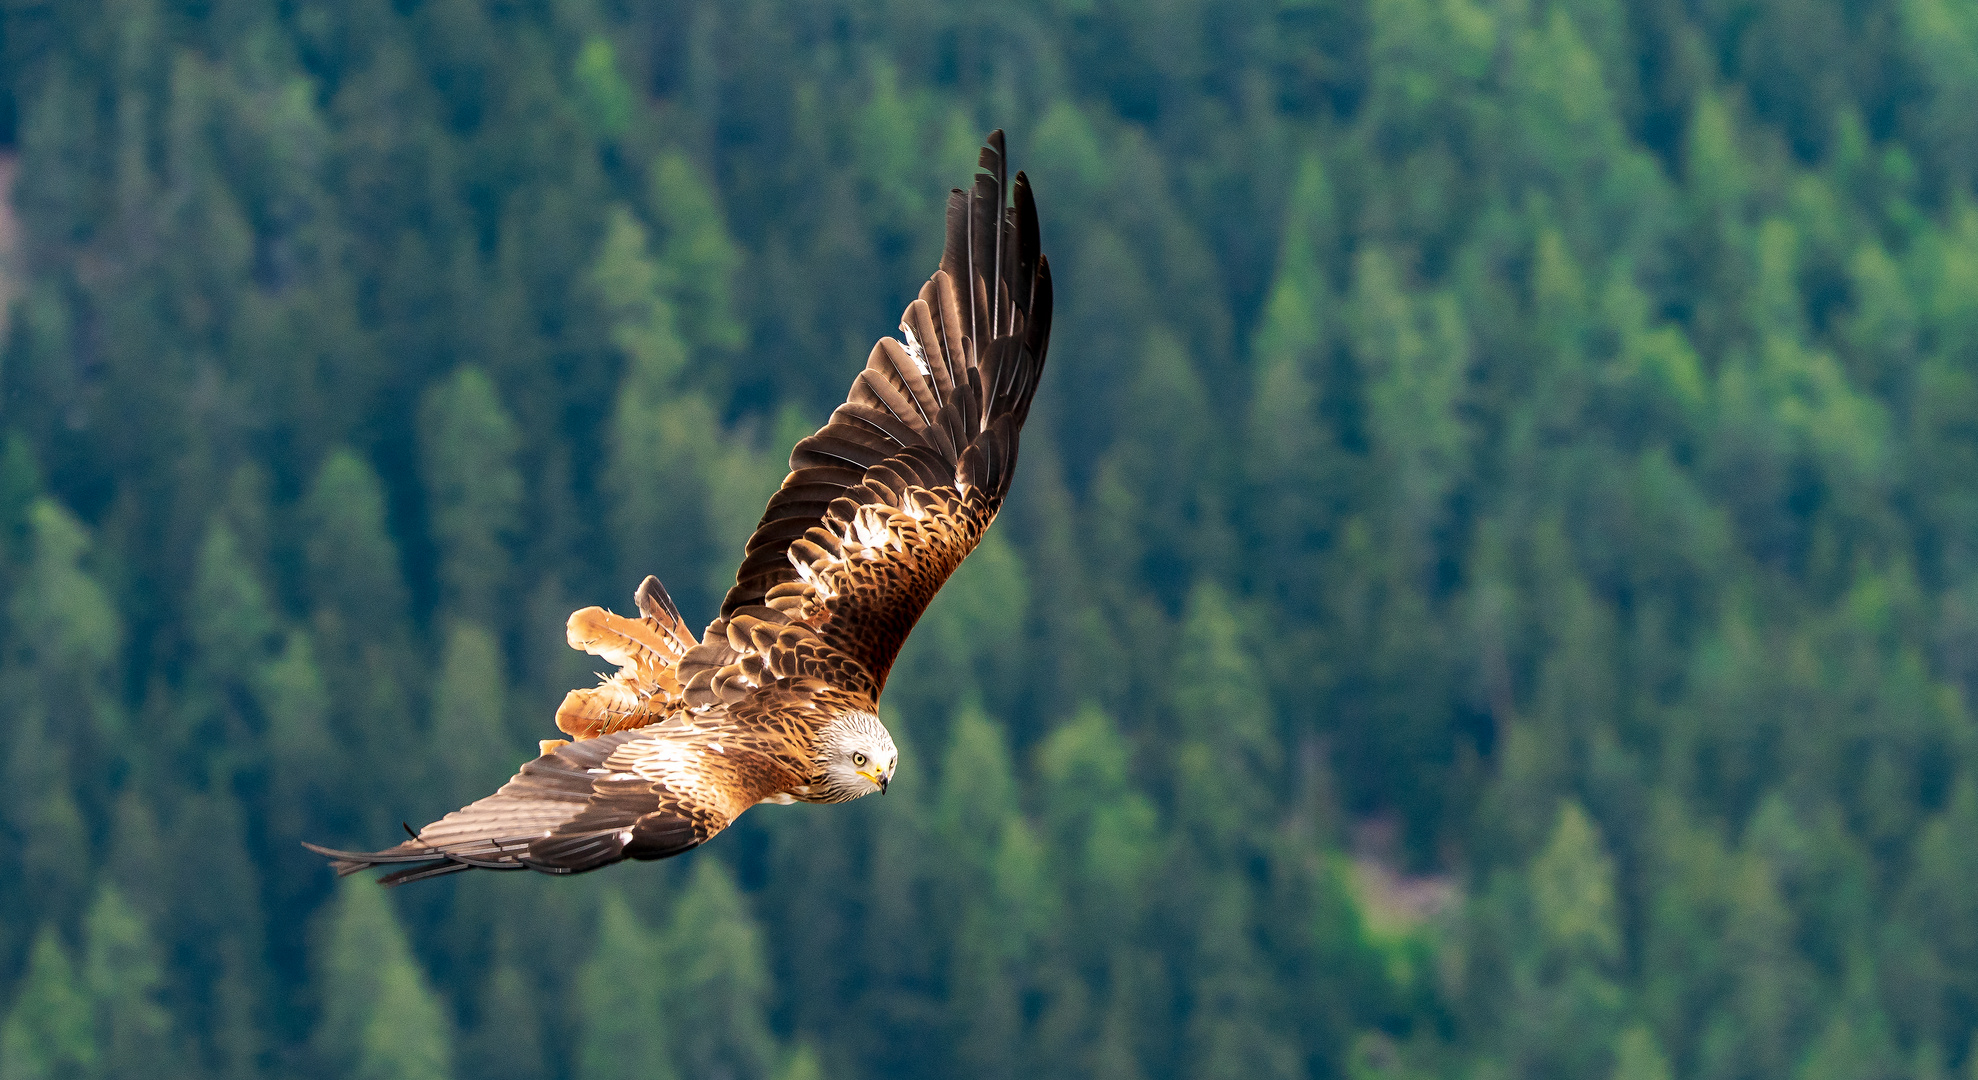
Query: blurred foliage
1543,433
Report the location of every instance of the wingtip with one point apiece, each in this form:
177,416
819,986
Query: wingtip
994,155
331,853
345,863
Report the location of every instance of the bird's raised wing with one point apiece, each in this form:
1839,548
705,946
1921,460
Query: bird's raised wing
884,502
638,794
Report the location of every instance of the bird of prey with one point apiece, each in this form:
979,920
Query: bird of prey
778,700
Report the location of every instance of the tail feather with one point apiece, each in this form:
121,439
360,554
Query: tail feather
645,690
655,604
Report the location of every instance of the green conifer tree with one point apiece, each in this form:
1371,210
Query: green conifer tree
507,1041
661,438
48,1033
360,626
717,988
978,820
1235,1022
379,1018
1164,477
468,448
697,257
1413,354
1100,826
1638,1057
233,622
123,976
1288,462
1229,760
67,619
303,755
472,744
620,997
353,565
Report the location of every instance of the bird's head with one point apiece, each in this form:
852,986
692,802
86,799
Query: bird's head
857,756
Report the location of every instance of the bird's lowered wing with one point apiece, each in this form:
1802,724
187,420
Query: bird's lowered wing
639,794
883,503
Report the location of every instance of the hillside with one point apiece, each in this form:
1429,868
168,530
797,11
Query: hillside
1491,589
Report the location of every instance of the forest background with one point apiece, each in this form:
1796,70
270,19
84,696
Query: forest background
1492,589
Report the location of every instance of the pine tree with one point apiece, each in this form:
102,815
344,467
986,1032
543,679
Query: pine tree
608,100
472,745
209,902
620,997
717,987
233,622
1289,460
360,625
660,438
48,831
1856,1040
1935,972
978,821
1413,354
698,259
1170,525
1229,760
67,619
1574,999
303,756
507,1042
1101,827
353,564
380,1019
122,975
1638,1057
48,1033
234,628
1234,1029
468,448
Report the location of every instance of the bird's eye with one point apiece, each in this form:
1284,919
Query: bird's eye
859,760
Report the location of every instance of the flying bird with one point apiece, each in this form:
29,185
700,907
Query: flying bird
778,700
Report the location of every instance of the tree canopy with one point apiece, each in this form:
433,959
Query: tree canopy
1492,588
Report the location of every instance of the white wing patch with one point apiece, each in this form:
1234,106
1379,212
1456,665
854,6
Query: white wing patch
661,760
915,352
811,577
872,530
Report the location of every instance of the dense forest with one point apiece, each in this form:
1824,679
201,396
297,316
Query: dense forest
1491,589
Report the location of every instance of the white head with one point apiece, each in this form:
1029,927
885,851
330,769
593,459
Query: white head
857,756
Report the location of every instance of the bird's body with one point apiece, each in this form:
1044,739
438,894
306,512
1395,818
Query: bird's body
777,701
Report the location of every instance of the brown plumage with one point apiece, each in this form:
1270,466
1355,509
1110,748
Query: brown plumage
777,701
